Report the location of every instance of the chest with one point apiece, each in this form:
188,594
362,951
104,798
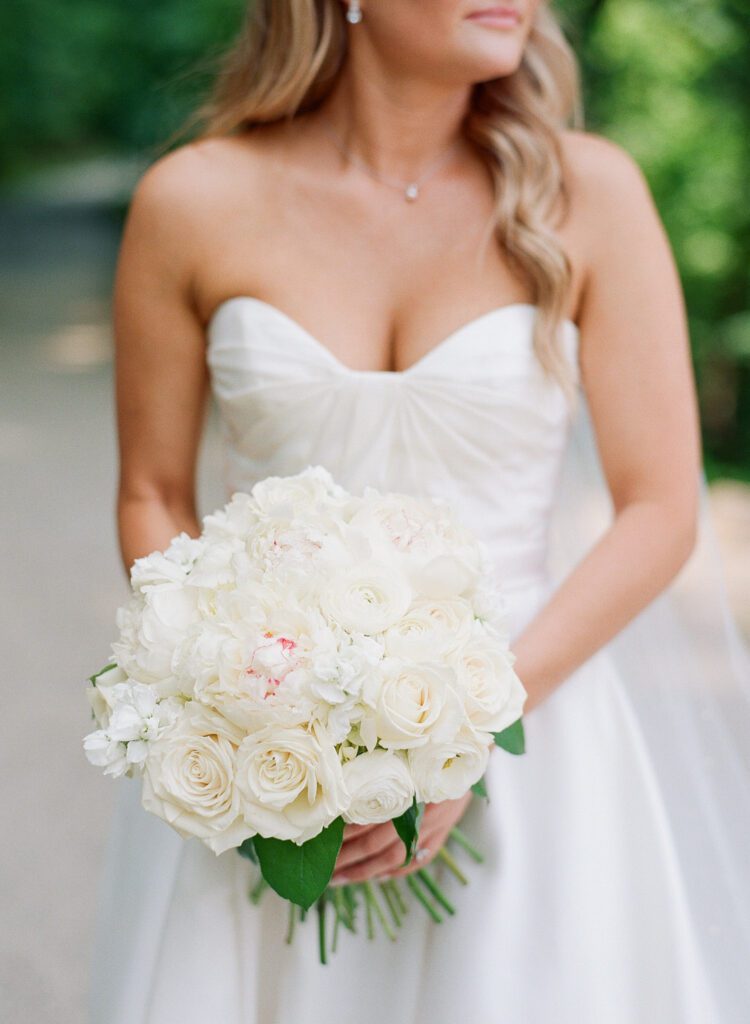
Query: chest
380,285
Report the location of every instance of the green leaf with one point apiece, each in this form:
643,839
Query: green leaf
107,668
407,826
480,788
300,873
512,739
247,849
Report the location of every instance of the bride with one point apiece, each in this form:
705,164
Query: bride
389,253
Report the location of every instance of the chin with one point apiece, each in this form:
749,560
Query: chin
481,66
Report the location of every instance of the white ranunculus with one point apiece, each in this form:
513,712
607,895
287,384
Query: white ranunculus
366,598
430,630
290,782
409,704
380,787
447,769
189,779
493,694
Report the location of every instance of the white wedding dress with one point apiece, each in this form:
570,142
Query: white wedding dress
588,909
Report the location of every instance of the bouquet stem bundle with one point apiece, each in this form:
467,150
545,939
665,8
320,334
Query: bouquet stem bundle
383,902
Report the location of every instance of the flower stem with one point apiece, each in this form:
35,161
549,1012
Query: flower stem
451,864
292,922
350,902
371,895
394,887
391,903
322,929
369,916
462,840
429,882
336,920
411,883
257,890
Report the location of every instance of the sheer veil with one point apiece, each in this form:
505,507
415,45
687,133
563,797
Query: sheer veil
685,672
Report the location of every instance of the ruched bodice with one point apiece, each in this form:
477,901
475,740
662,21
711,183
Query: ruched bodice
475,420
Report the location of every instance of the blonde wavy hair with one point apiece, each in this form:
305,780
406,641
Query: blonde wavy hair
286,59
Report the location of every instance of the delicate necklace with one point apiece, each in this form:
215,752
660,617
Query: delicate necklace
411,188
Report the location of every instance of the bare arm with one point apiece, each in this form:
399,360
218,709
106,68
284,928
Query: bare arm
159,363
637,373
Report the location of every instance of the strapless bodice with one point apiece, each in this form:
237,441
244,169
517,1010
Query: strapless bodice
475,420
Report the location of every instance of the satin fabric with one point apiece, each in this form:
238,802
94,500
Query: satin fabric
582,913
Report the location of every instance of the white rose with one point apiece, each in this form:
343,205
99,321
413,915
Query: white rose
189,779
380,787
448,769
493,694
430,630
366,598
410,702
290,782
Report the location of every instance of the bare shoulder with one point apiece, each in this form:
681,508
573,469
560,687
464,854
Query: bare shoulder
593,160
191,178
611,212
181,200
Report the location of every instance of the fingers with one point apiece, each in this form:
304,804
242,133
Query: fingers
384,863
355,831
376,851
369,843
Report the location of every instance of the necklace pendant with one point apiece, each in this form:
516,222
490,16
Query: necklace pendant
411,192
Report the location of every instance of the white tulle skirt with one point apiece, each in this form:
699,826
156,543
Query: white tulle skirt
585,912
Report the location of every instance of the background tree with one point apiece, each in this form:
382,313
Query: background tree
669,80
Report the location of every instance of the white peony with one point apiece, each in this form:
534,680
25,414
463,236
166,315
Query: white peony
189,779
493,694
310,491
366,598
152,626
410,703
440,556
380,787
446,770
290,782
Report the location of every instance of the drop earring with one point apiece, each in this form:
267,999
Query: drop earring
353,12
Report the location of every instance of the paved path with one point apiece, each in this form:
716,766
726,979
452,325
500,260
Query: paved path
62,582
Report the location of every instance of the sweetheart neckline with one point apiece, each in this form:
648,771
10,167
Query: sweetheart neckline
353,371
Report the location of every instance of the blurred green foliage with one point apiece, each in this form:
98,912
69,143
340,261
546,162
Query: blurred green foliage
668,79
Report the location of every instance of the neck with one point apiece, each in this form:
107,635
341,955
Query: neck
394,122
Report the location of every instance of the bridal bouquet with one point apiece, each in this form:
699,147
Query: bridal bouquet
313,658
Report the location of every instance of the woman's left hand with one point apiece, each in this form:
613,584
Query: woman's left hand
376,851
